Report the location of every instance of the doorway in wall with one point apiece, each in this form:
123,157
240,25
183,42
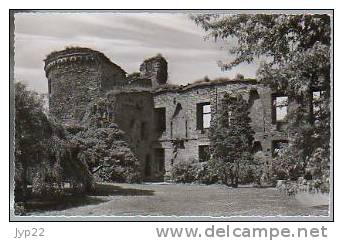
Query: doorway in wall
147,170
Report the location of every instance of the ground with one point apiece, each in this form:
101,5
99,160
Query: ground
184,200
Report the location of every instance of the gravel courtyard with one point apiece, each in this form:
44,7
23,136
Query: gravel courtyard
188,200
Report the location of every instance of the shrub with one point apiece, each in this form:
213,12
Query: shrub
183,172
318,164
302,185
193,171
206,173
247,175
107,154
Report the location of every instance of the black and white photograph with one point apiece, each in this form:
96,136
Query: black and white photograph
171,115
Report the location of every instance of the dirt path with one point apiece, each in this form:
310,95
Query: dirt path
190,200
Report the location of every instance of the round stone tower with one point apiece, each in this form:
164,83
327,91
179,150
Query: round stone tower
76,77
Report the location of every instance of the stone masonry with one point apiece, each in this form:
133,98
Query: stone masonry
164,123
77,76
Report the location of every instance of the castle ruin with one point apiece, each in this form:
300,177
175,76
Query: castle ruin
164,123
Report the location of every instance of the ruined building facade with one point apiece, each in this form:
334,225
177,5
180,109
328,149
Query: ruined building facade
164,123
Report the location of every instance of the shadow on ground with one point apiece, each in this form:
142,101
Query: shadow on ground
61,203
70,200
113,190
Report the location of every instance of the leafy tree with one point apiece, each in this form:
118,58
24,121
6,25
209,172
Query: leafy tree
231,138
284,41
295,59
108,156
42,150
103,146
32,130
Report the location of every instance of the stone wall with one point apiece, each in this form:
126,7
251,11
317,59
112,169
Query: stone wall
111,76
133,113
181,117
155,69
76,77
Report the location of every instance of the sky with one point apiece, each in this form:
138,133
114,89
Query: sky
126,39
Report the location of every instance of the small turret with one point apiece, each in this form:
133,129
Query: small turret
155,69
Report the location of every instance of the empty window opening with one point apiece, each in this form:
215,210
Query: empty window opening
257,147
280,108
253,96
49,87
147,170
179,144
159,159
204,153
177,110
160,119
203,115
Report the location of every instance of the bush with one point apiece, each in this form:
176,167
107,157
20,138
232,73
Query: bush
302,185
45,182
107,154
322,185
42,152
259,172
287,187
183,172
119,174
206,173
248,175
318,164
193,171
